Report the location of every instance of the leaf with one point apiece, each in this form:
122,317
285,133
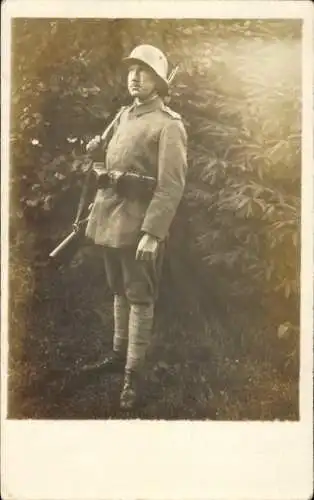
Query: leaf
32,203
287,289
48,203
282,330
249,209
261,204
243,202
163,365
268,273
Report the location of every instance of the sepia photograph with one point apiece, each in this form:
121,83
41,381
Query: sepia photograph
155,172
155,219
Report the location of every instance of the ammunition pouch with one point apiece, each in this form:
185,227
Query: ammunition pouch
135,186
126,184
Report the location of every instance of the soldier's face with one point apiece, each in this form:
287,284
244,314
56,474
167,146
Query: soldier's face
141,82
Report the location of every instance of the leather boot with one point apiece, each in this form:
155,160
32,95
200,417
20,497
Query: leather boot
131,392
113,362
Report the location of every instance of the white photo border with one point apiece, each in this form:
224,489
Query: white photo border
82,460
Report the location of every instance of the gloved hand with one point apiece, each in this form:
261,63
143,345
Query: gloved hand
93,144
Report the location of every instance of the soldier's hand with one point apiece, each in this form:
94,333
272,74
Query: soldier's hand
93,143
147,248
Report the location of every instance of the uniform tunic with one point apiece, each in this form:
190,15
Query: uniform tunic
150,139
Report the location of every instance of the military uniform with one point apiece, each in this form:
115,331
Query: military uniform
149,139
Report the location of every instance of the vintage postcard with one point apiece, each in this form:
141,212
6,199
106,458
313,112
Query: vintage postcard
157,250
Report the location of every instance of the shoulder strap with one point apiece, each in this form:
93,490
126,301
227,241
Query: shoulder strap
171,113
114,121
111,124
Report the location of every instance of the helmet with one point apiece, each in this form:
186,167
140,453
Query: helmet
152,57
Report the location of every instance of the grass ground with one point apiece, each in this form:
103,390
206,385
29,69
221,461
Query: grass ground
200,365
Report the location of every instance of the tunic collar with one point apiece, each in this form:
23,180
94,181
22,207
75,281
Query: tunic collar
147,107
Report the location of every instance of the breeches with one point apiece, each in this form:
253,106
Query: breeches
136,279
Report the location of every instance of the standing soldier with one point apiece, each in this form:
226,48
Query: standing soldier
133,209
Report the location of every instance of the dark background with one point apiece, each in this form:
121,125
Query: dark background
226,339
